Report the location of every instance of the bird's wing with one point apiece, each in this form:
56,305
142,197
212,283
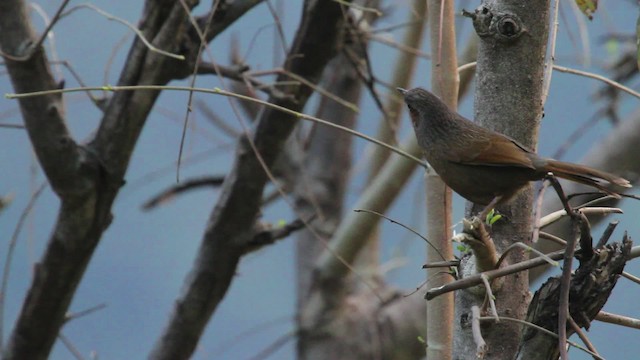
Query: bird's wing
498,151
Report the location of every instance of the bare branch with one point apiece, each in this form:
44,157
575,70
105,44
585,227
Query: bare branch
183,186
86,179
231,222
57,152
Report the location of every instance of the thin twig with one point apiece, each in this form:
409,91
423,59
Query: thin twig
475,279
604,79
73,316
557,215
490,297
576,328
565,279
275,346
404,226
441,264
526,248
552,56
545,331
401,47
618,320
9,257
132,27
631,277
219,91
202,45
210,181
12,126
35,46
481,345
269,236
69,345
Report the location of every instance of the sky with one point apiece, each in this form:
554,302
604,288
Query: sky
141,263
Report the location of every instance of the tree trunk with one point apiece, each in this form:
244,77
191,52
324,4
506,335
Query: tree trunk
510,72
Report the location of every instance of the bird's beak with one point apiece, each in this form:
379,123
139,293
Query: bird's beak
402,91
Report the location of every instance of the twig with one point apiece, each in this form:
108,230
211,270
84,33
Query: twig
368,80
224,346
404,226
557,215
73,316
526,248
35,46
275,346
618,319
229,94
360,7
9,257
69,345
552,56
535,234
268,235
586,241
441,264
555,239
545,331
165,195
216,120
202,45
481,345
475,279
631,277
583,30
11,126
410,50
467,66
606,234
615,84
576,328
132,27
490,297
565,279
241,73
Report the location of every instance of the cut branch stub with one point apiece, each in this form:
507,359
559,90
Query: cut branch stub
502,26
591,286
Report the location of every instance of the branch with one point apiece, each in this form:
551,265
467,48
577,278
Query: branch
184,186
57,152
267,235
231,222
87,178
476,279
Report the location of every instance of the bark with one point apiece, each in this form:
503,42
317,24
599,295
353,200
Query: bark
510,72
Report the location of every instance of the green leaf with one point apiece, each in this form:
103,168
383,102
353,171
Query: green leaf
588,7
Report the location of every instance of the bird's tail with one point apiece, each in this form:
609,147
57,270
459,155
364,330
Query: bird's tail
586,175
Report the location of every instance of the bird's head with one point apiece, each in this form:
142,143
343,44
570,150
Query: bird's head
423,105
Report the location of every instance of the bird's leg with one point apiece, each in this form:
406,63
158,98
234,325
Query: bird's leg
489,207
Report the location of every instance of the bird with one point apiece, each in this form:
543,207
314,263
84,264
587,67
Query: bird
481,165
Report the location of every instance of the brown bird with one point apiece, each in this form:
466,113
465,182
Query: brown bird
483,166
